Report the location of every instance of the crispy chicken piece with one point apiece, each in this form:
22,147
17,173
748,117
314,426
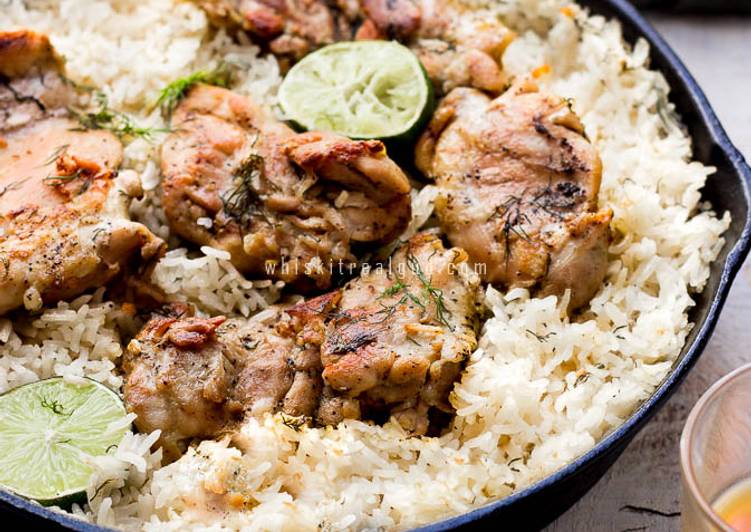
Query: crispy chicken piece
518,184
31,84
459,46
196,378
284,205
63,207
289,28
386,344
178,379
398,341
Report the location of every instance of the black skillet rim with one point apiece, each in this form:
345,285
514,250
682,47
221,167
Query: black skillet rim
13,504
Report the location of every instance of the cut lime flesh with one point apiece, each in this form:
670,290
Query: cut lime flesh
46,430
360,89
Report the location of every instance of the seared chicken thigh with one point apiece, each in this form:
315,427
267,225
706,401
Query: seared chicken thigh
392,342
457,45
398,339
284,205
193,377
290,28
518,187
63,207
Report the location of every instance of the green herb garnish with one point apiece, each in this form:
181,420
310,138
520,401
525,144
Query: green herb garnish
13,185
55,406
293,422
118,123
541,337
59,180
171,95
56,154
393,289
436,294
242,200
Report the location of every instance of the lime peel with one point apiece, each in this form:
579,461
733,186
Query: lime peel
49,429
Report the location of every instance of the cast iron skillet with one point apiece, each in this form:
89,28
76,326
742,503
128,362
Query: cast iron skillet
727,190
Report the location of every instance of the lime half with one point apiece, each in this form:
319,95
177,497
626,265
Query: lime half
46,430
360,89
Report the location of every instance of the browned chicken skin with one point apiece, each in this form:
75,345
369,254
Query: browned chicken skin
290,28
194,377
458,46
397,341
284,205
178,385
63,208
386,344
518,187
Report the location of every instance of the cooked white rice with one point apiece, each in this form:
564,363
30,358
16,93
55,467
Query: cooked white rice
539,391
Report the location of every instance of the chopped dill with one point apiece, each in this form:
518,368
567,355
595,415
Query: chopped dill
513,220
388,310
98,231
171,95
584,377
242,200
249,343
293,422
541,337
54,406
436,294
397,287
118,123
393,289
13,185
59,180
56,154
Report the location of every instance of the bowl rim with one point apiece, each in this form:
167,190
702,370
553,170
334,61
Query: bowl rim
687,435
622,11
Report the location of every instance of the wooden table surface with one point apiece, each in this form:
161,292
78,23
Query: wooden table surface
718,53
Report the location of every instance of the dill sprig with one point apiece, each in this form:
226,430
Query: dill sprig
393,289
541,337
584,377
171,95
400,286
242,200
59,180
294,422
118,123
436,294
513,220
13,185
55,406
56,154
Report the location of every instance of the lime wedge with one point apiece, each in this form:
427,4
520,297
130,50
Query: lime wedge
360,89
46,429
